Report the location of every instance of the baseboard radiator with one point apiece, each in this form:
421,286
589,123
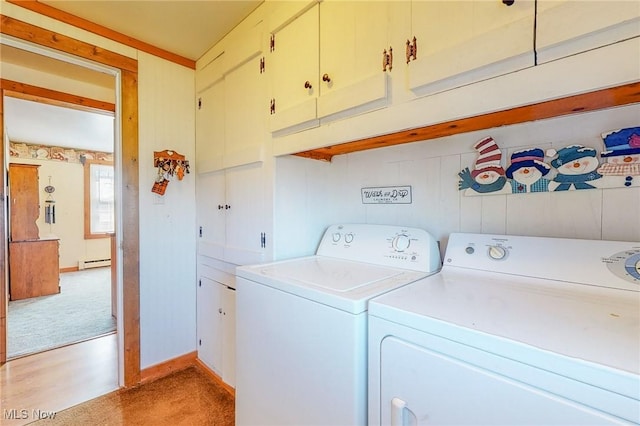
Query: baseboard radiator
93,263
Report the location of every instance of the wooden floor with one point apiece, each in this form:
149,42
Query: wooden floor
52,381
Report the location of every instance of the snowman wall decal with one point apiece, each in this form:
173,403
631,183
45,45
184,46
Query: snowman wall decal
622,157
488,175
527,170
576,167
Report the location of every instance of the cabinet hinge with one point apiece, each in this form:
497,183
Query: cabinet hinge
200,342
272,106
387,59
200,232
199,103
263,239
272,43
412,50
262,65
199,283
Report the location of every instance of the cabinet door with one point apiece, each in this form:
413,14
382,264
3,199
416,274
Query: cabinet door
353,36
24,206
420,386
229,336
567,27
245,188
209,324
246,109
210,131
211,213
292,63
460,42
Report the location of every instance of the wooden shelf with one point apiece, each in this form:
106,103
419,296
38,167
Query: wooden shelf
591,101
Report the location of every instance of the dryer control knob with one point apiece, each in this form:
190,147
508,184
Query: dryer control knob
401,242
348,238
497,252
336,237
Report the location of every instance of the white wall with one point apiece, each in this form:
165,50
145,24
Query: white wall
167,223
310,194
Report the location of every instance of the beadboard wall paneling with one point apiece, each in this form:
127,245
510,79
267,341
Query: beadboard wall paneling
167,223
432,167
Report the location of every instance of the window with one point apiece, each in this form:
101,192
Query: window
99,200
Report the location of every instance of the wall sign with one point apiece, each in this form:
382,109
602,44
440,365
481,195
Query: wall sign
573,167
386,195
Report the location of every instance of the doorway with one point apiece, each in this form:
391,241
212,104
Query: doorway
53,44
59,276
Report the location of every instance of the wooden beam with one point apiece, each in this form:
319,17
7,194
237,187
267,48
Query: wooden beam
591,101
41,36
4,289
130,229
28,92
76,21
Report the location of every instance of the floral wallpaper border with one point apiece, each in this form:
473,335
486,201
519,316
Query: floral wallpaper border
56,153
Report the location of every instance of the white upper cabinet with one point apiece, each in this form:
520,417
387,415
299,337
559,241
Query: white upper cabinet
567,27
326,61
210,116
293,64
461,42
231,104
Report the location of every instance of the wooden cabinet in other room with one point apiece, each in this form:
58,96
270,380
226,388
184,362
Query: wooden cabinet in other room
462,42
232,105
566,27
216,322
230,214
24,205
325,61
34,268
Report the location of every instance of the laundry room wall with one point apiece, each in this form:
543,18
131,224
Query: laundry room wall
311,194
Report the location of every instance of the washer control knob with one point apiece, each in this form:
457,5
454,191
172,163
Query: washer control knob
348,238
335,237
401,242
497,252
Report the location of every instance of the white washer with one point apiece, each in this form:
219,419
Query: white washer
513,330
301,330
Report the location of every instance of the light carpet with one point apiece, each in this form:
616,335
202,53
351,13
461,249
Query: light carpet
82,310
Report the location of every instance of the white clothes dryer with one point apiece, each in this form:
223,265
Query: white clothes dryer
301,324
513,330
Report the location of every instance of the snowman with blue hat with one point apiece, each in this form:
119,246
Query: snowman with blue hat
576,165
622,157
527,171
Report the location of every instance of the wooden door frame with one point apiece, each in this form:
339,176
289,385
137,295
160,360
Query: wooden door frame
129,225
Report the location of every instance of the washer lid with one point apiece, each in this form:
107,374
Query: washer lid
343,284
329,273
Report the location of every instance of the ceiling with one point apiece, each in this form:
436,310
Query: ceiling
184,27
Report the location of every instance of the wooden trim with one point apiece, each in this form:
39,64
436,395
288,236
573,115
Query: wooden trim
130,228
28,92
4,288
76,21
165,368
69,269
213,376
591,101
44,37
130,201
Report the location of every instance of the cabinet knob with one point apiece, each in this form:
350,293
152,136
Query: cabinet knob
219,310
326,78
227,206
508,2
307,84
220,207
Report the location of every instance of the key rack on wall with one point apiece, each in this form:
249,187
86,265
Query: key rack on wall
169,163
